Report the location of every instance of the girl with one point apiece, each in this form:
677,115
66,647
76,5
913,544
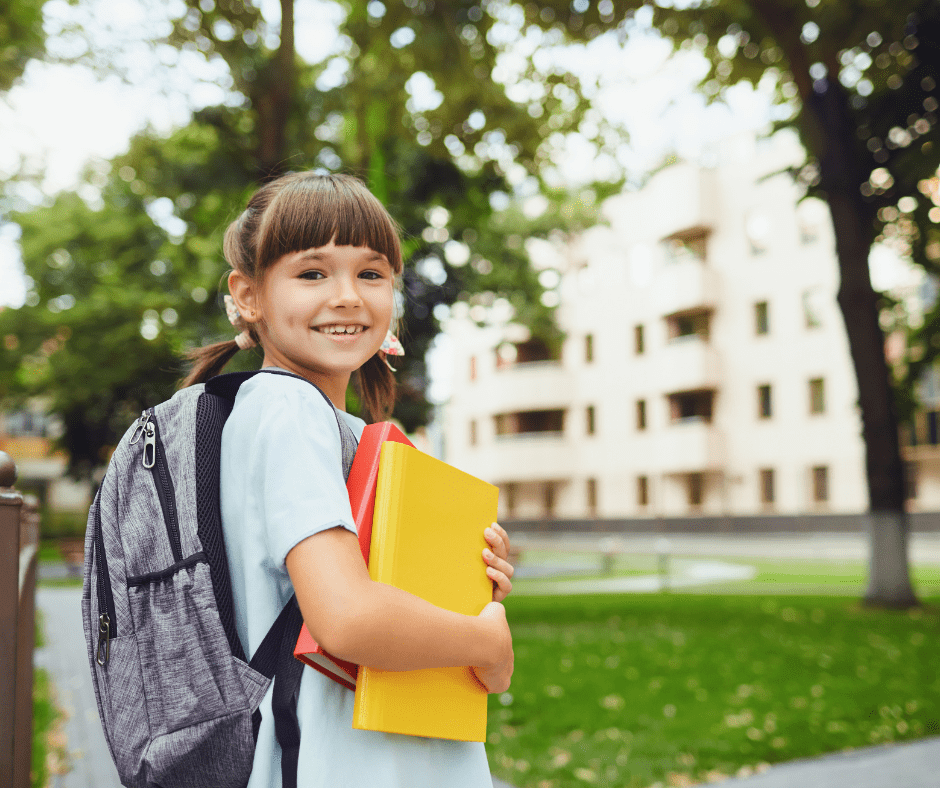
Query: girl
314,261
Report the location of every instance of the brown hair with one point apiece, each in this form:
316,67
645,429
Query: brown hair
296,212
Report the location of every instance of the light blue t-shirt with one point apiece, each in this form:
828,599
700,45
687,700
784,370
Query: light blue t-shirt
281,482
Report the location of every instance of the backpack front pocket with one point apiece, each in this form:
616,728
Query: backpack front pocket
180,638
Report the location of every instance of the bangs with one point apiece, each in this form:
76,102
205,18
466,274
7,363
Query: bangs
311,210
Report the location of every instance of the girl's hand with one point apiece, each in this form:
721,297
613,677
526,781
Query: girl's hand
498,569
496,675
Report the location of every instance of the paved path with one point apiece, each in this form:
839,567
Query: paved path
683,574
914,765
66,660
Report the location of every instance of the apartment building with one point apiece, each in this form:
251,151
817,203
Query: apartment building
705,368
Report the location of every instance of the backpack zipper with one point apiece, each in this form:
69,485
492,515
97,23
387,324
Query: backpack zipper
107,621
154,459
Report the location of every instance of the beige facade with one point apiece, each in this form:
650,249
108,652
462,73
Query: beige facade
705,370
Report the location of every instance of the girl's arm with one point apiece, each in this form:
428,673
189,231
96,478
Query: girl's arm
374,624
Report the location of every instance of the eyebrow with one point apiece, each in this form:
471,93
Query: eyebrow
315,254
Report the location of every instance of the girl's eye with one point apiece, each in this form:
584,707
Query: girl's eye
370,275
312,275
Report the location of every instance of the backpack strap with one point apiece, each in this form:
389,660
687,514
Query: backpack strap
275,655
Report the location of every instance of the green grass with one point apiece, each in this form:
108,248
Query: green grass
46,717
634,690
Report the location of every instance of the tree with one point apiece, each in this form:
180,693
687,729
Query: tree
861,80
147,256
22,36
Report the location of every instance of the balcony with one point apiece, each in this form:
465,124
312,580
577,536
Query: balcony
530,386
687,446
533,456
686,364
685,285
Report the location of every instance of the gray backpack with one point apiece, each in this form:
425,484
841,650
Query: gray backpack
177,697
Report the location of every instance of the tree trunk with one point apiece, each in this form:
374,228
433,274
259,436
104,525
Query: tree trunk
272,99
841,175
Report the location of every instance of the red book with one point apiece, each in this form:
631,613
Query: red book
361,488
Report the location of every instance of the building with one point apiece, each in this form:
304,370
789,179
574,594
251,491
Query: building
705,368
27,436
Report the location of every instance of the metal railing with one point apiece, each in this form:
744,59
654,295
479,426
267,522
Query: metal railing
19,545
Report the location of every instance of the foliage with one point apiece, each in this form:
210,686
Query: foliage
677,689
150,248
22,36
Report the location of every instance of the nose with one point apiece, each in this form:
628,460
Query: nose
346,292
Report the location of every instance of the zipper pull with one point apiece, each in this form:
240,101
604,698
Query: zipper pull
140,426
150,446
104,640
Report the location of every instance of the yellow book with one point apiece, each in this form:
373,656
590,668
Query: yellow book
427,539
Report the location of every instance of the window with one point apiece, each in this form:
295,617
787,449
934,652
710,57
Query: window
691,406
764,404
933,428
689,245
473,367
761,319
758,228
548,499
820,484
473,432
641,414
910,481
817,396
639,346
695,487
529,421
812,307
642,491
588,348
510,498
767,486
589,419
591,492
689,324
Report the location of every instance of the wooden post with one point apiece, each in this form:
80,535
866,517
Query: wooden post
25,642
10,504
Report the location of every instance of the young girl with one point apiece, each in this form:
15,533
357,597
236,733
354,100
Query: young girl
314,261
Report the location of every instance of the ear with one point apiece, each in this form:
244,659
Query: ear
244,293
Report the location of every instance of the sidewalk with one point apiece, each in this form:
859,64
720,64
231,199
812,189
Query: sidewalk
65,659
914,765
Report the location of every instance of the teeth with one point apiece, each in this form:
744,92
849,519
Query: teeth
341,329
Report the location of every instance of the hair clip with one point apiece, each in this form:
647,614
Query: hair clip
244,340
391,346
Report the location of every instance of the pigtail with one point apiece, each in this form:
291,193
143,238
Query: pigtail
376,386
209,361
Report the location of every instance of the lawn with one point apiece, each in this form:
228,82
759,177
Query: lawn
635,690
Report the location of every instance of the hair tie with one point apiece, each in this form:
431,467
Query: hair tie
244,339
391,346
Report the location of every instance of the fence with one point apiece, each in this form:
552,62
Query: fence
19,544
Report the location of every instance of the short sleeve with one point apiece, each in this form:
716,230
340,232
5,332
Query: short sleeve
298,469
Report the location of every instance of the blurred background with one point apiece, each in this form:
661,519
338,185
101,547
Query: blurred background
670,284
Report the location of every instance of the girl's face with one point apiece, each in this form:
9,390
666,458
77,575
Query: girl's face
321,313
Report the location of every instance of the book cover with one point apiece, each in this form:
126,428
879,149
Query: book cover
427,539
363,476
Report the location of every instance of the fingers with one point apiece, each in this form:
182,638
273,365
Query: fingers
501,583
498,569
498,539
